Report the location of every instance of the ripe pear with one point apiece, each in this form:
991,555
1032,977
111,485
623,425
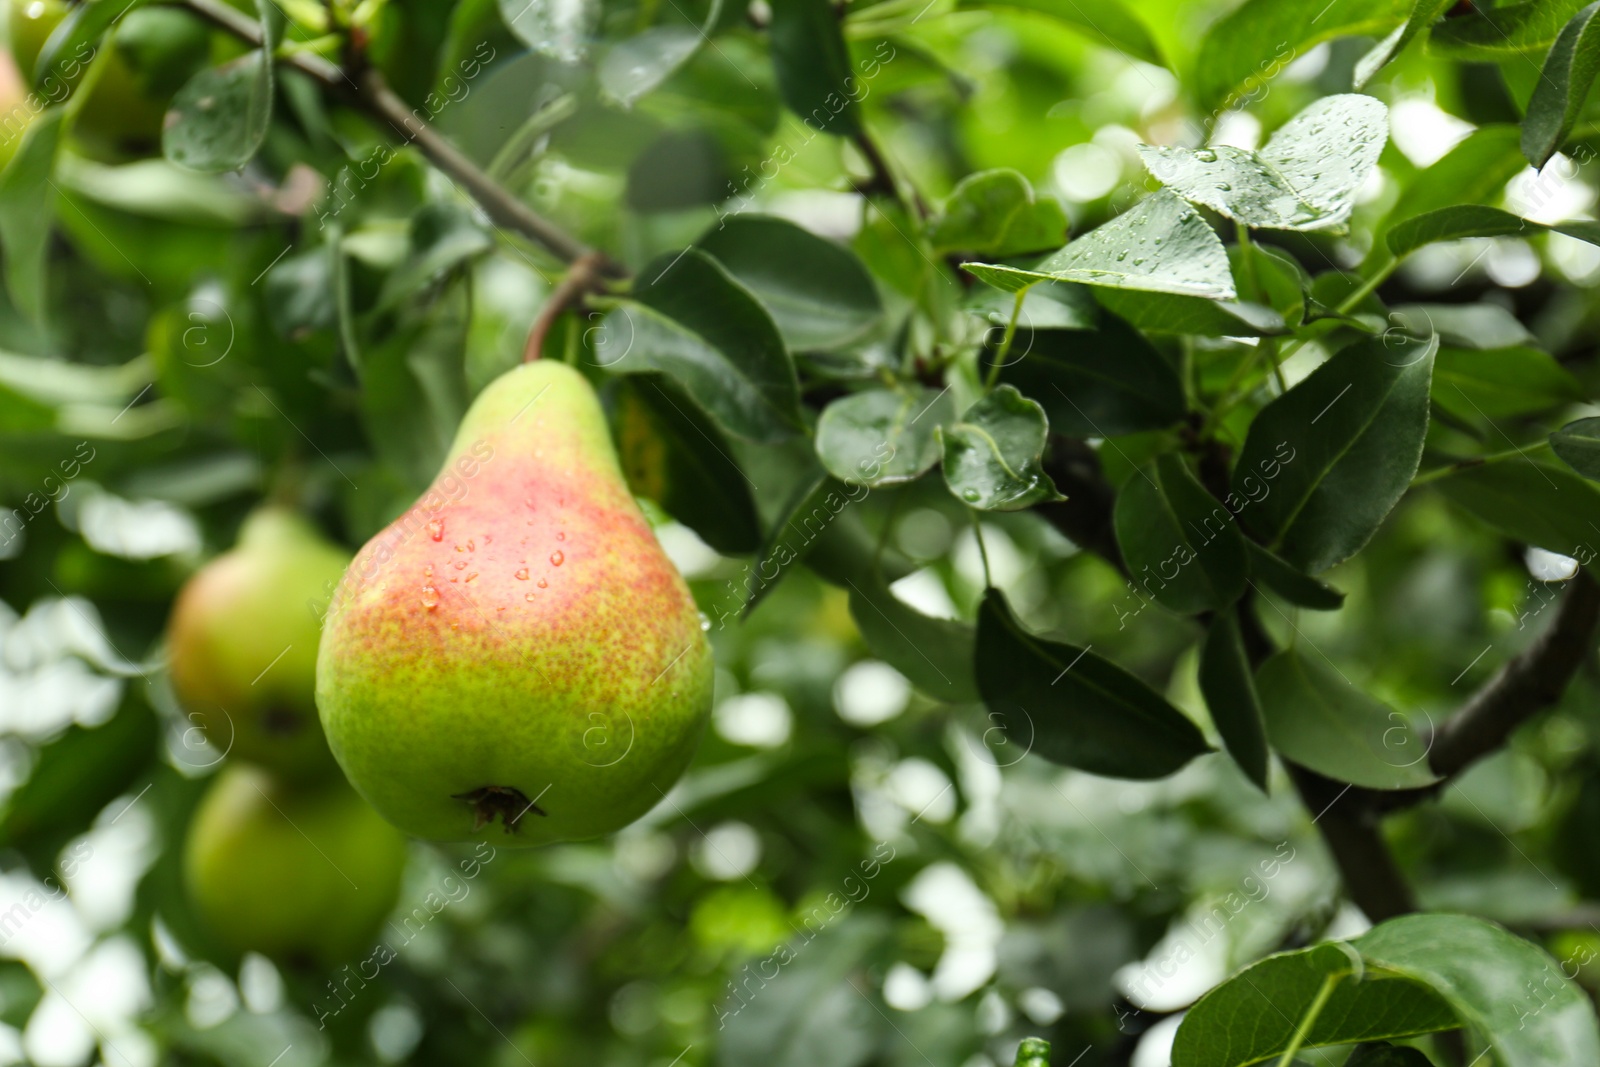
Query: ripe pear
517,645
242,643
292,872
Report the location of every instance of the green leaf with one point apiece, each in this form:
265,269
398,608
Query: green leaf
1046,306
1160,245
1230,695
220,117
442,238
27,209
1248,47
883,436
992,454
1180,544
1490,34
1326,461
995,213
1476,220
1297,588
1317,718
639,64
560,29
935,654
1507,989
1473,171
1095,383
414,387
77,36
691,320
1424,13
1074,708
673,454
1562,87
1578,444
1535,503
1106,22
1033,1052
819,294
1501,384
1386,1055
814,74
1253,1016
1304,179
1480,326
1170,313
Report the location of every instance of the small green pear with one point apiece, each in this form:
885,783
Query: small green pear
242,643
294,873
517,645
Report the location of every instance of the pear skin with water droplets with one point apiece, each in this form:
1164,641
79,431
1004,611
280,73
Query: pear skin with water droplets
515,658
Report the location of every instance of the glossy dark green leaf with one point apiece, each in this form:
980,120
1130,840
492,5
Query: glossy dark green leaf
1095,383
1387,1055
1171,313
804,520
1507,989
1489,34
1424,13
1252,1017
1578,444
1326,461
935,654
1535,503
1180,544
1476,220
1473,171
219,118
814,74
1229,688
1074,708
1106,22
1319,719
691,320
1295,587
883,436
995,213
1159,245
1046,306
1244,50
1305,178
818,293
1496,384
1562,87
27,210
992,453
672,454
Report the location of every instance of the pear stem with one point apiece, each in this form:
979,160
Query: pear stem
584,275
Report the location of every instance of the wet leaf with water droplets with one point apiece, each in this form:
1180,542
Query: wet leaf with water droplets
992,454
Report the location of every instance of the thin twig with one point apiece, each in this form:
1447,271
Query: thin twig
373,94
584,276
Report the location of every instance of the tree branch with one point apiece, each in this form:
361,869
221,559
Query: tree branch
1531,681
374,96
584,275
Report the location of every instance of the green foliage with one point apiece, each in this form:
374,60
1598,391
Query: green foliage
1252,383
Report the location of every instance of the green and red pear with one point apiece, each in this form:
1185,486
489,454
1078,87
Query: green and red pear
242,643
517,647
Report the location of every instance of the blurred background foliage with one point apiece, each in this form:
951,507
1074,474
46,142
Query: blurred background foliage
195,354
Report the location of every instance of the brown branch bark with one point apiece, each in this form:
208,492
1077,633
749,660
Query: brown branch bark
1530,682
370,92
584,276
